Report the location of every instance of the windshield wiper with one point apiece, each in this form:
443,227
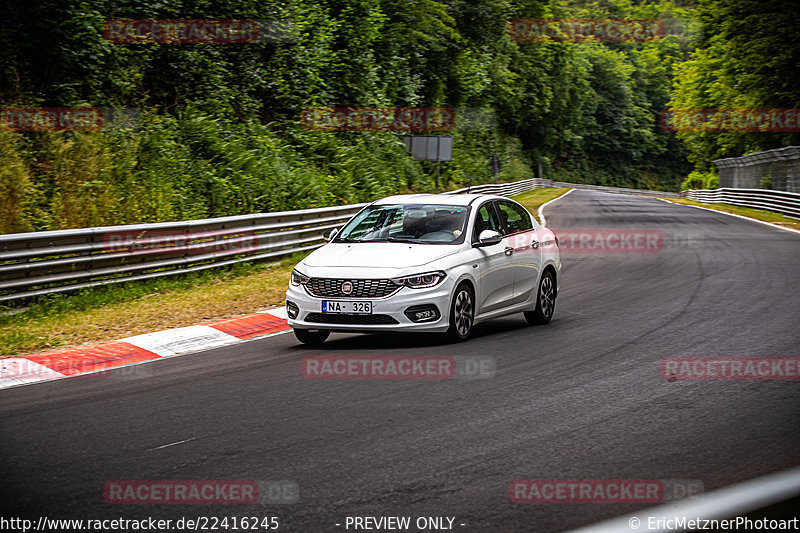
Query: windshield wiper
404,239
383,239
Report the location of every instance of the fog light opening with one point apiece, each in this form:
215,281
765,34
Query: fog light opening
423,313
292,310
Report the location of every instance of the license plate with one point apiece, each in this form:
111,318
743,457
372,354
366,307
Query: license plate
347,308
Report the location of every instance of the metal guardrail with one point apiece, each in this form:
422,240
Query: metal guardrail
504,189
615,190
37,263
786,203
48,262
517,187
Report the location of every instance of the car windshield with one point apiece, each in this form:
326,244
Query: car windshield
419,223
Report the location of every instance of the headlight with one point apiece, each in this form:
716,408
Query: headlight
299,278
421,281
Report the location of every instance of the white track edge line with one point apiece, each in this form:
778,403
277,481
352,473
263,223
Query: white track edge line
770,224
540,211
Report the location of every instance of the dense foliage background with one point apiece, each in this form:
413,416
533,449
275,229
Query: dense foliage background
219,128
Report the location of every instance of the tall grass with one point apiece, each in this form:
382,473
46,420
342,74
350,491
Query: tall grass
194,165
16,187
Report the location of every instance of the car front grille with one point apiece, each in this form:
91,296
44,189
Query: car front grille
362,288
322,318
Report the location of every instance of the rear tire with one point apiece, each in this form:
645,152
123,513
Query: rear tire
545,301
313,338
462,314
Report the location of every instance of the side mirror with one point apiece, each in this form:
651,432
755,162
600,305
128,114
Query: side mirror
328,236
488,237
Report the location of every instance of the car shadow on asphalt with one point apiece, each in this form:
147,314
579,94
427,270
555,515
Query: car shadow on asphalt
405,341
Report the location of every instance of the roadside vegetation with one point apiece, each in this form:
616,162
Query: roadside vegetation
217,128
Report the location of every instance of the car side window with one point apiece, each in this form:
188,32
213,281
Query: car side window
513,218
485,218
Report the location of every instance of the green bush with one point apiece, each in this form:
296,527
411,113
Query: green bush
700,180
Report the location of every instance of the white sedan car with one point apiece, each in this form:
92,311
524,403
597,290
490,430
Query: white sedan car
426,263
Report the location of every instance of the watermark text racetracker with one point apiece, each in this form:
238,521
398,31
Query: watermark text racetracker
585,30
228,31
183,242
67,118
379,119
602,490
592,240
426,367
190,492
396,119
731,368
731,120
81,363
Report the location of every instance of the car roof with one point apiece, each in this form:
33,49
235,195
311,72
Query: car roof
441,199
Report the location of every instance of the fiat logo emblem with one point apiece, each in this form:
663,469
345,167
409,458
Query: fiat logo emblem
347,287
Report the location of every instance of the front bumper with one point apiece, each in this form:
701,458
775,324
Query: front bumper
391,308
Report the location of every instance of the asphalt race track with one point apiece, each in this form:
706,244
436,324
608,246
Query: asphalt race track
581,398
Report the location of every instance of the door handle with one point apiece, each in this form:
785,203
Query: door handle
509,250
534,244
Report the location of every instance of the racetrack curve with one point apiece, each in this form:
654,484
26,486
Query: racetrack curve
580,398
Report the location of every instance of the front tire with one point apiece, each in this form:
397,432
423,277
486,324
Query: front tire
545,301
313,338
462,314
